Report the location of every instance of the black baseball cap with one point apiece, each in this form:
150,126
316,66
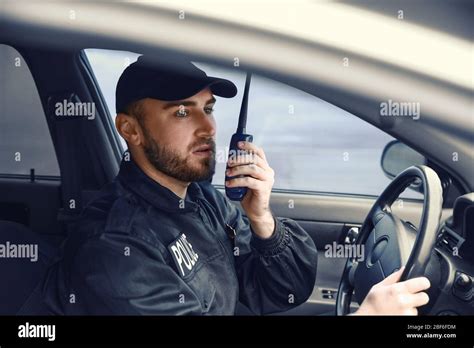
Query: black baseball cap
147,78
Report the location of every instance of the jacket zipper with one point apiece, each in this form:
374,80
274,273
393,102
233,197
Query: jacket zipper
201,207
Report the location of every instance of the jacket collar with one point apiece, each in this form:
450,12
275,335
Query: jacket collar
132,177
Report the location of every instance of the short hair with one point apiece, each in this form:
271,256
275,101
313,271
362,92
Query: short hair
135,109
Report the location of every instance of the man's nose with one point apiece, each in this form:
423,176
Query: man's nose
207,125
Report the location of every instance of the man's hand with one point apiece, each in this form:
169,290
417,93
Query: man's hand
391,298
259,181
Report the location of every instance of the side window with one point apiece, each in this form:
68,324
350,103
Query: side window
312,145
25,140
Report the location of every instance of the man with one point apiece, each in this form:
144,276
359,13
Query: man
161,239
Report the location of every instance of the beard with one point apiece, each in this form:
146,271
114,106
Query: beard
171,163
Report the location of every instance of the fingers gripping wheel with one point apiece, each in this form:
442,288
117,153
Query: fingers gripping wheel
388,242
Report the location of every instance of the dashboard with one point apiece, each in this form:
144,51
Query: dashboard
452,264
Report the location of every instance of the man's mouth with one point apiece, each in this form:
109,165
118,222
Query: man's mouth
203,150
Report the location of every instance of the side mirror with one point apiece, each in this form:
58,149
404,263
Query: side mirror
396,157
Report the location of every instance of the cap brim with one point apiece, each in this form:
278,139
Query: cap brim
222,87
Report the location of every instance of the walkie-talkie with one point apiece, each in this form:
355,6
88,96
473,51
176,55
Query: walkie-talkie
238,193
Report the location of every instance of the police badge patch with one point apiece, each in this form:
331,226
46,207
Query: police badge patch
184,256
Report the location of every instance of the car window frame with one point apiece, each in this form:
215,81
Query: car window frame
104,114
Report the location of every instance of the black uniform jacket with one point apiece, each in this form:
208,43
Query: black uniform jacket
140,249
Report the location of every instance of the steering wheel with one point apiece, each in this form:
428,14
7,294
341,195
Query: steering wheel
389,242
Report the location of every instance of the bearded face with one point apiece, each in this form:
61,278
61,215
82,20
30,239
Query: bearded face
196,163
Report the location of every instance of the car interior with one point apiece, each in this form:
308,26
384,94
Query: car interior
39,208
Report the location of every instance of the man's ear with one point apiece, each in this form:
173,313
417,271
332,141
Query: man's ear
129,128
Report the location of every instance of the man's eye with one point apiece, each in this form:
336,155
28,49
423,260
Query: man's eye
182,113
209,110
